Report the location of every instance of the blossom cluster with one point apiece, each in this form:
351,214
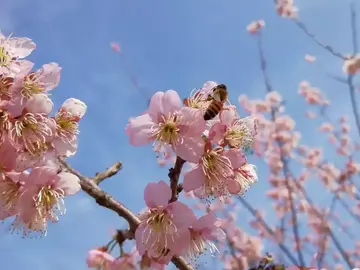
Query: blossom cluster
216,152
32,185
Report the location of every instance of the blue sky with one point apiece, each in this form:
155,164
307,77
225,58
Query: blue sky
168,45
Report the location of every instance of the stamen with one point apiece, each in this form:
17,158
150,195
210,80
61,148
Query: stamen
32,86
5,57
167,132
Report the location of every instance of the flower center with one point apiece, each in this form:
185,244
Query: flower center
50,202
66,125
4,57
31,86
9,193
5,84
158,232
30,129
238,135
216,168
167,132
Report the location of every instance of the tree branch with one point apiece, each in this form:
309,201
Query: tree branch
303,27
114,169
174,174
104,199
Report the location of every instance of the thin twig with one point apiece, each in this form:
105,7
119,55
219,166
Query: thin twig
174,174
107,201
114,169
287,184
303,27
268,229
350,79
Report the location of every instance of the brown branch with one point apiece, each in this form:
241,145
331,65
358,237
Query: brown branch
114,169
104,199
174,174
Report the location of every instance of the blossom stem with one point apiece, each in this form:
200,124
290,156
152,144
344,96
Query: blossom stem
174,174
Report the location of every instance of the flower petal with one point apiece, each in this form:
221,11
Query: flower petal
183,216
139,239
233,186
171,102
193,179
74,106
206,221
157,194
236,157
69,183
139,130
191,149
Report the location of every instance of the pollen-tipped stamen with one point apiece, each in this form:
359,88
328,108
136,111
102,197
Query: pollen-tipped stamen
159,227
66,125
50,202
167,132
5,57
9,193
238,135
32,86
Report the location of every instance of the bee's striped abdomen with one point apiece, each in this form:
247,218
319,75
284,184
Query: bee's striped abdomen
213,110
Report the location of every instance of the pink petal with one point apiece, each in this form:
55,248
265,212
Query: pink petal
64,148
21,46
75,107
193,121
236,157
157,194
227,117
206,221
171,102
24,161
69,183
40,104
139,130
208,86
233,186
156,106
181,242
183,216
193,179
50,76
217,132
191,149
139,239
42,175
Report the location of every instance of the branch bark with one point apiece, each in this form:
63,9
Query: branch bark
174,175
104,199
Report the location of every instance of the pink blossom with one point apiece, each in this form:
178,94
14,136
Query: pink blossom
203,231
233,131
11,50
67,126
99,258
28,84
255,26
125,262
30,130
115,46
214,169
43,199
163,231
245,177
11,187
166,123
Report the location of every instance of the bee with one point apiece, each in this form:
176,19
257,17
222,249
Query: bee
218,97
